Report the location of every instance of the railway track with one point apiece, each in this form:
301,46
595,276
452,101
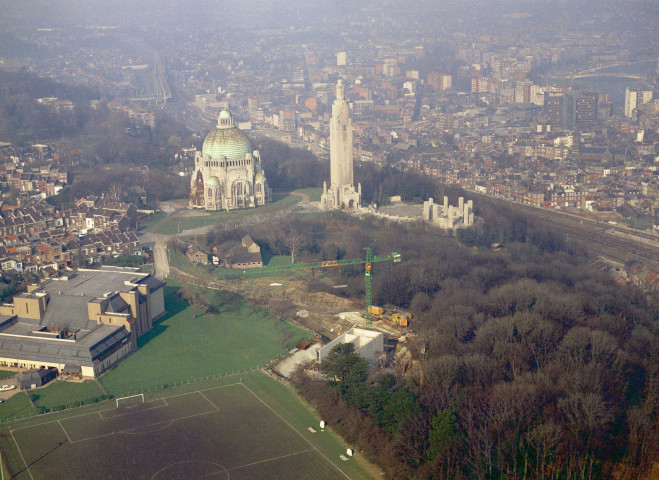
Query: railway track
602,239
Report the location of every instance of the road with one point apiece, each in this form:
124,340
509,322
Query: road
160,260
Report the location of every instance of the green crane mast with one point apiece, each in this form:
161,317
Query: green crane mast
367,262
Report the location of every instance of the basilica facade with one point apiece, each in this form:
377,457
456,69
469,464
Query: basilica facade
227,172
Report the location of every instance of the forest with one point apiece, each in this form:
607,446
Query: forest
528,363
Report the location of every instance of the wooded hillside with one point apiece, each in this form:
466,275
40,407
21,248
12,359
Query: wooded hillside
528,363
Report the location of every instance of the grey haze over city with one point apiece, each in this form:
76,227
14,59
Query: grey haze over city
329,239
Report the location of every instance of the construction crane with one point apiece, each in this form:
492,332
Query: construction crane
367,262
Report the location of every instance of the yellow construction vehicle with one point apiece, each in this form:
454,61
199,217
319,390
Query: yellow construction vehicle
402,319
374,310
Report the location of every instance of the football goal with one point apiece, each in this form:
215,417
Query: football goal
130,399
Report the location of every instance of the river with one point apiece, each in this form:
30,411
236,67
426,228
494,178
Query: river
614,86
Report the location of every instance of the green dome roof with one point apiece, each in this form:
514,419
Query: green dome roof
226,140
213,181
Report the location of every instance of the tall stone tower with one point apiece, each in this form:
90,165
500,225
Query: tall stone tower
341,193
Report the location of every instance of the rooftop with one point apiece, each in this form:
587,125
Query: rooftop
96,283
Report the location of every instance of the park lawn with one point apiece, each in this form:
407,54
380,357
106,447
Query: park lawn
151,220
180,261
61,394
181,348
294,410
16,407
176,224
6,374
313,193
147,268
278,260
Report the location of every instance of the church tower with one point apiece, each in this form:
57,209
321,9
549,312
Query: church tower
341,193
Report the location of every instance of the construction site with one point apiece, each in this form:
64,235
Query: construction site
293,292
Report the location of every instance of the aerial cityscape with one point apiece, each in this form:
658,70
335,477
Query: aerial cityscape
347,239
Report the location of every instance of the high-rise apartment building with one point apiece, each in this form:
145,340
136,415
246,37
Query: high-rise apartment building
559,110
585,110
439,81
523,91
634,98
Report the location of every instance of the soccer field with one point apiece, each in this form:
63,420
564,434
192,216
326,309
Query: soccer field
222,432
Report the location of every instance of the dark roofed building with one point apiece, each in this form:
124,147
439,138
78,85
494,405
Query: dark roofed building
35,378
196,255
246,255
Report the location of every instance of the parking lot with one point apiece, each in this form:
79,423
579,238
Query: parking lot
13,381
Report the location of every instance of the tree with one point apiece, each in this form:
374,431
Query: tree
442,432
389,404
116,191
294,241
194,297
343,364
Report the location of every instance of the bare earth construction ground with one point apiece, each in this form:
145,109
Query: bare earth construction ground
225,432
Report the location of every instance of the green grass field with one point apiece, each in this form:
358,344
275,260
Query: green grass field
151,220
6,374
276,260
240,427
177,350
314,193
17,406
60,394
177,223
181,348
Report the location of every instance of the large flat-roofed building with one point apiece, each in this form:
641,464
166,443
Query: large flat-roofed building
82,323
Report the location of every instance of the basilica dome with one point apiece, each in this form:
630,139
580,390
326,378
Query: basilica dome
226,140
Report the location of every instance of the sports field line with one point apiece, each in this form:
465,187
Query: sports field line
143,410
164,423
199,391
98,412
36,425
271,459
208,400
21,454
65,432
296,431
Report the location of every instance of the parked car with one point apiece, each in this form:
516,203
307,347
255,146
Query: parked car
6,387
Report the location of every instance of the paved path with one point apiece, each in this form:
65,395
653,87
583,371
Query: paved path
160,261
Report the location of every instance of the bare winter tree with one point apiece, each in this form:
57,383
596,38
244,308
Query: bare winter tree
294,241
194,297
116,191
175,244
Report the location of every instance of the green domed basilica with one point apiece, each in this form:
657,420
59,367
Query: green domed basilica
228,172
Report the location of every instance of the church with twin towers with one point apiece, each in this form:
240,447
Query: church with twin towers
341,193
